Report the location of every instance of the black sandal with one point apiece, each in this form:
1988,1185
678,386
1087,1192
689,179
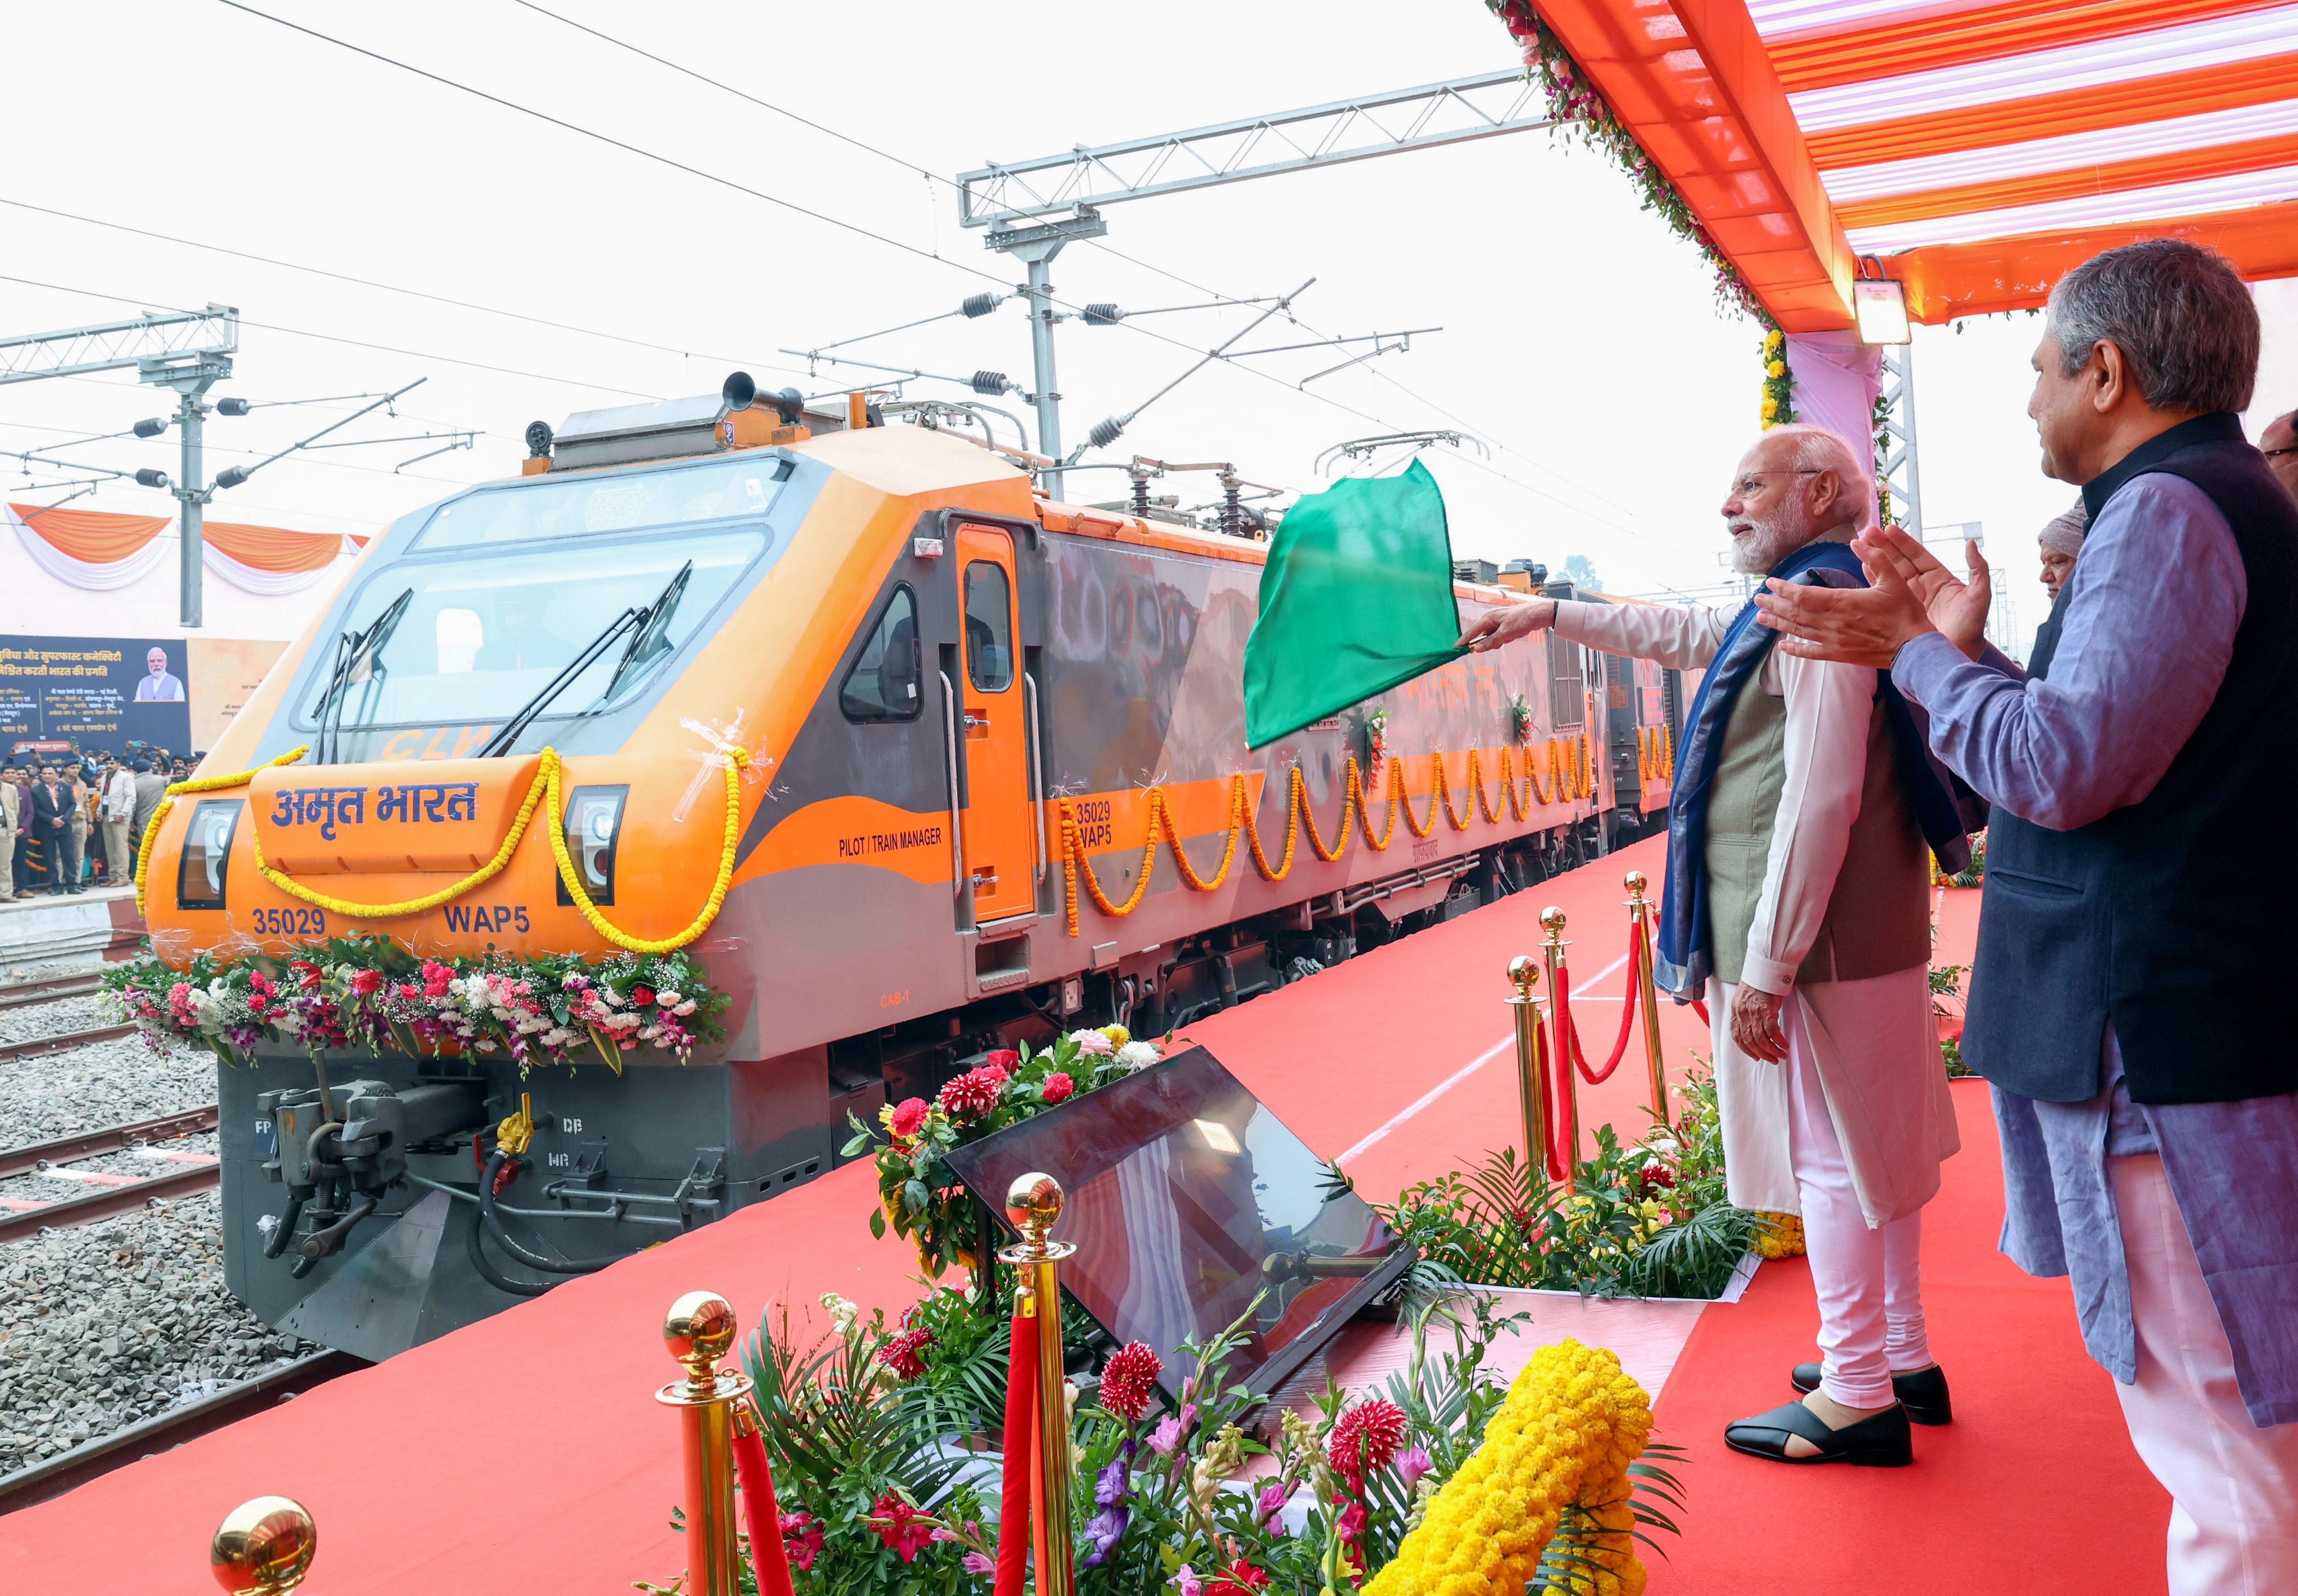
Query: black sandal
1923,1393
1880,1442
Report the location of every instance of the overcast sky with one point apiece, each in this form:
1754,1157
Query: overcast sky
1580,339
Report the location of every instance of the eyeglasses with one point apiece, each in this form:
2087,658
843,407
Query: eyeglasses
1753,480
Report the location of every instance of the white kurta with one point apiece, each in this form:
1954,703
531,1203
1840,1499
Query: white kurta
1873,1042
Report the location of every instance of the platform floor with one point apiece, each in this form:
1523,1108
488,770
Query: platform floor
529,1449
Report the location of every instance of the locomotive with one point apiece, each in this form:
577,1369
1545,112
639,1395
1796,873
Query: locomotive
962,705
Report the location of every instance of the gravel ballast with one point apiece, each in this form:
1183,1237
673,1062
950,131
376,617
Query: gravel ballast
100,1085
116,1321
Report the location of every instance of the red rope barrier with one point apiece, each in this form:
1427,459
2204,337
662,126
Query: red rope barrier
769,1555
1701,1009
1630,1005
1020,1453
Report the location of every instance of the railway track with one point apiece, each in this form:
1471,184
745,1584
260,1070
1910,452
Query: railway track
162,1432
108,1193
48,991
60,1042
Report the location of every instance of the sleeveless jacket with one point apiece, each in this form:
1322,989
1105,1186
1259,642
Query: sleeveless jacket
2168,916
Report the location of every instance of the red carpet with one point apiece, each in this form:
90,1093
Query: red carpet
528,1448
2033,1487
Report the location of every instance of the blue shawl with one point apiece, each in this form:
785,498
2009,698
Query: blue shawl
1686,954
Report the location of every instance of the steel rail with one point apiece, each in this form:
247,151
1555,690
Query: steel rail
68,1470
62,1040
47,991
105,1202
116,1138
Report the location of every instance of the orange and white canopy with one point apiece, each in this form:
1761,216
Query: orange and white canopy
1973,149
97,551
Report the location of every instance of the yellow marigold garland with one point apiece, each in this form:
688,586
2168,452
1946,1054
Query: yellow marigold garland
1781,1237
1572,774
1571,1425
544,790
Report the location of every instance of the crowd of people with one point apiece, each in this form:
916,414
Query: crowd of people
1853,723
66,825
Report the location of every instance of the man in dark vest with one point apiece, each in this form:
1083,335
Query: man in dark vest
2141,868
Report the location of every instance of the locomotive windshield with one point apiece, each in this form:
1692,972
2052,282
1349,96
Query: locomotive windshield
484,631
584,504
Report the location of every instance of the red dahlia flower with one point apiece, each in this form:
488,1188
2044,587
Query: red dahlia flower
904,1353
973,1093
1127,1379
1366,1439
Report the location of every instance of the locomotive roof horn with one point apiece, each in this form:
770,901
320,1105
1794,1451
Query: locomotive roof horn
740,392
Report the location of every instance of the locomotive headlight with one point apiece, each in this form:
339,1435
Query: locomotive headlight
594,818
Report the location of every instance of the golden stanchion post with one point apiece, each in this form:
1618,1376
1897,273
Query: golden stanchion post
1523,971
1648,994
699,1330
1568,1101
264,1547
1033,1202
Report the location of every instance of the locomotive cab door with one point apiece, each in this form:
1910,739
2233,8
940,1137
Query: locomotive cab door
1000,843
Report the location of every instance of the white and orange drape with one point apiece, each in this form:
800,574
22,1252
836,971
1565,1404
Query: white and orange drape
98,551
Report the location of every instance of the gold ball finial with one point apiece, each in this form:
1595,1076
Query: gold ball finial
1552,918
1033,1202
699,1330
1634,883
1524,970
264,1547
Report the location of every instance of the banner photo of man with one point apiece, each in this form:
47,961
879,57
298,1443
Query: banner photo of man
94,694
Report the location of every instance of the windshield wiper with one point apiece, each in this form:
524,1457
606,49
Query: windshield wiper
501,741
351,648
647,643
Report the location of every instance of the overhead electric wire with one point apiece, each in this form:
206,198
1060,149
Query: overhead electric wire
340,277
827,220
932,176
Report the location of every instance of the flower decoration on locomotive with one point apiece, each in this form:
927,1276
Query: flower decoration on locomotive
917,1193
551,1009
1520,719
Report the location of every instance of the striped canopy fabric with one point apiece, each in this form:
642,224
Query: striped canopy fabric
1973,149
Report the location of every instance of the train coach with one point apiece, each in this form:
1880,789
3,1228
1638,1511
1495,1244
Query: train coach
990,780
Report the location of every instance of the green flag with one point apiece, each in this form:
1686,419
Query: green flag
1357,596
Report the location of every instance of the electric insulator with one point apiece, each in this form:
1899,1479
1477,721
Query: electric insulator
992,383
981,304
538,440
148,478
231,407
151,427
231,476
1101,313
1105,432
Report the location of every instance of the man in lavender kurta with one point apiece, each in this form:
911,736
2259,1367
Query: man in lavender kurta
2133,943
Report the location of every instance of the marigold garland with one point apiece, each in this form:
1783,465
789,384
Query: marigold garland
1781,1237
1572,776
1778,407
1571,1424
545,790
1655,753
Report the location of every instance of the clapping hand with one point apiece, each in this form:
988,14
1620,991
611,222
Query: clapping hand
1912,593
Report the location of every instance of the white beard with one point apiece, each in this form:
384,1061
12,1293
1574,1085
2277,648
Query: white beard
1771,538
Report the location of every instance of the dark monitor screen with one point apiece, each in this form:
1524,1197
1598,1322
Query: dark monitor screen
1186,1196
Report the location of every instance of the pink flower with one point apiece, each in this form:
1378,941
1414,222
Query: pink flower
897,1525
1366,1439
1092,1042
1269,1503
909,1116
1185,1583
1057,1088
366,982
1127,1379
975,1563
1411,1464
1166,1436
801,1539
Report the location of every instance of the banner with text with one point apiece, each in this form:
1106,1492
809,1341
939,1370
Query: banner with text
93,694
